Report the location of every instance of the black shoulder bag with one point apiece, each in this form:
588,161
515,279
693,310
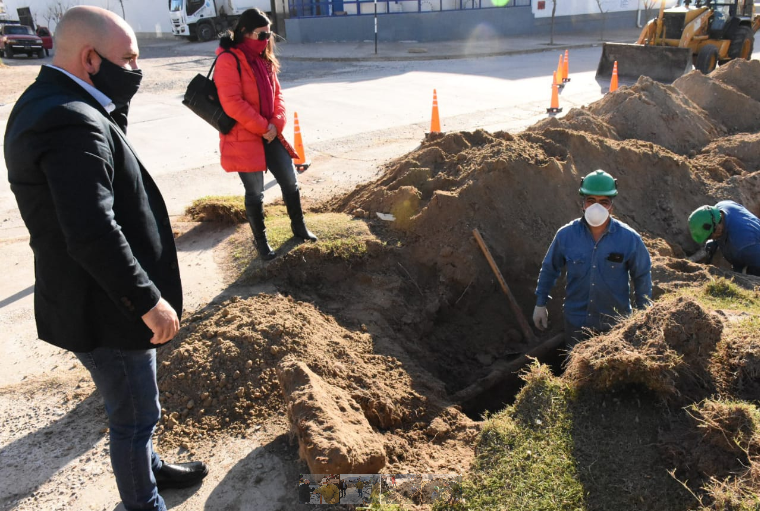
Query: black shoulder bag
202,98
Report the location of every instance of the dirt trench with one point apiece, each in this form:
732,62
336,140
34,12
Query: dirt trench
389,335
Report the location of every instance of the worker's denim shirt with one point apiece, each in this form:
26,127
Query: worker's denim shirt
597,290
740,243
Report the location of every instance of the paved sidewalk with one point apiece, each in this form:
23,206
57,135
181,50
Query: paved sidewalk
407,50
439,50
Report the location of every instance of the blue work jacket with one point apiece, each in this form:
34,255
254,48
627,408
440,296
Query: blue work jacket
740,242
597,290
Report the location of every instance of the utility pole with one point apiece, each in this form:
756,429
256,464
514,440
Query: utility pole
375,27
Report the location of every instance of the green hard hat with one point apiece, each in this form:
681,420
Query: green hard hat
702,222
598,183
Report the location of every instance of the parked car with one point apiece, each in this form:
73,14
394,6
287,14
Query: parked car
47,39
16,39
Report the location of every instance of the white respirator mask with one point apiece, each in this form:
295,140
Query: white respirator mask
596,215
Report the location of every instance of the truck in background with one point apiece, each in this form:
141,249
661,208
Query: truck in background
205,19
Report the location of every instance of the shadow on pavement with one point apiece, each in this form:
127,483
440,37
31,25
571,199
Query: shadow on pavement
264,480
28,462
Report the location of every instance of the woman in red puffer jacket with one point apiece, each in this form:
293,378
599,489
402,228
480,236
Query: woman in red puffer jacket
246,79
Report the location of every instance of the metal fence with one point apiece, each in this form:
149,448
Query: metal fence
325,8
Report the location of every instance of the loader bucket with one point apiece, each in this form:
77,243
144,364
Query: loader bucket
661,63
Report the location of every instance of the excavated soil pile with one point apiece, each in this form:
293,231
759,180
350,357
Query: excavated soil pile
223,377
578,119
742,150
665,349
418,314
742,75
517,190
683,117
729,109
670,273
657,113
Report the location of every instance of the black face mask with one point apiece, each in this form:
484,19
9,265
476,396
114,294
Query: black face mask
116,82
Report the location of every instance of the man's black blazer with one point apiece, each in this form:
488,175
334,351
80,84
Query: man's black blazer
103,246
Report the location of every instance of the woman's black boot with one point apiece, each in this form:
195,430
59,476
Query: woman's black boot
293,204
255,214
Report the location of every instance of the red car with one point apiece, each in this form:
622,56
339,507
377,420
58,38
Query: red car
15,39
47,39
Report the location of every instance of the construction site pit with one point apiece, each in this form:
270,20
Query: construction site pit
361,351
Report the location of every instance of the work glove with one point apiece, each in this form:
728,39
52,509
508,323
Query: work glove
710,248
541,317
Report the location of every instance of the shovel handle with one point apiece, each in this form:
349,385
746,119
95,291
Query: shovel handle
524,326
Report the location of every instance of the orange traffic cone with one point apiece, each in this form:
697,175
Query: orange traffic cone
558,75
566,68
301,162
554,107
614,80
435,121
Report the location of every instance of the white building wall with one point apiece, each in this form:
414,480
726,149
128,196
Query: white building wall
147,17
576,7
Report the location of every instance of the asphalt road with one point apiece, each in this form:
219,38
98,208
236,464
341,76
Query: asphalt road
355,116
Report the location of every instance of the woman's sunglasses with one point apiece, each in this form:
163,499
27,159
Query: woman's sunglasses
262,36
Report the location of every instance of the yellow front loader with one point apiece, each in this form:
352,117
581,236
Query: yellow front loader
701,35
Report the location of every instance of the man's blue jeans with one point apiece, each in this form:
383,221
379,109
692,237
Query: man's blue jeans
127,381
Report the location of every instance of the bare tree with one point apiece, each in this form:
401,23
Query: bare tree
55,12
554,11
111,6
604,18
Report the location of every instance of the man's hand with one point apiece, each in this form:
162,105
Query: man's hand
162,321
541,318
271,133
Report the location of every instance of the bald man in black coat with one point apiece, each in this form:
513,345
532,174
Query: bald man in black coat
107,279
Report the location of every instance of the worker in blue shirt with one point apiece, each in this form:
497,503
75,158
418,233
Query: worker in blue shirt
731,228
600,254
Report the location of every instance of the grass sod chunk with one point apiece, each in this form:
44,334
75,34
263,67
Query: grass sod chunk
215,208
340,235
665,349
341,238
735,366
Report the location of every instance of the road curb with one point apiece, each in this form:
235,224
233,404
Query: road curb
418,57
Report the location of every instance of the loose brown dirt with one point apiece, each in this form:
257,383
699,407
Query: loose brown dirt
417,314
222,380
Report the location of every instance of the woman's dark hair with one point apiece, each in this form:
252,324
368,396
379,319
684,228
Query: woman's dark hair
249,21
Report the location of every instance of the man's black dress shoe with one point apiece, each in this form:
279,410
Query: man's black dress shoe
180,475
